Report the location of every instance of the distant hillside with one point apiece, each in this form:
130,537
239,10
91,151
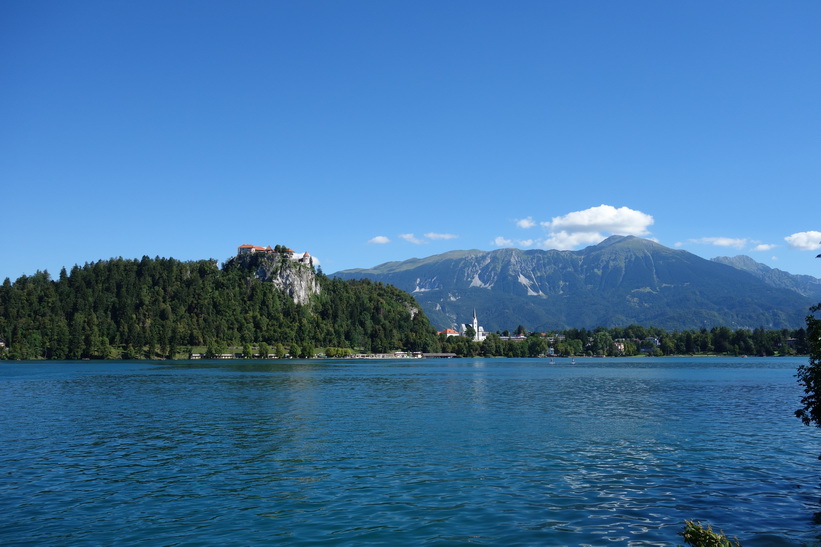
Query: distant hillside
621,281
805,285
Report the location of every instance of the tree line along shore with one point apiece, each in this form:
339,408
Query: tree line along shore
632,341
168,309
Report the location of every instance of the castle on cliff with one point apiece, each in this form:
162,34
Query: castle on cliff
304,258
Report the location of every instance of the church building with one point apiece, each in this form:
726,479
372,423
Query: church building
480,333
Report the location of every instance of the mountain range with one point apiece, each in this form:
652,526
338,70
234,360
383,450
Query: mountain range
621,281
806,285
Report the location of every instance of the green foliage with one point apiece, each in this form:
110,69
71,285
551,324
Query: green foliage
809,375
633,340
602,343
149,308
338,352
696,535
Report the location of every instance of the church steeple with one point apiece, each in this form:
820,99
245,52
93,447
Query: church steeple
476,336
478,332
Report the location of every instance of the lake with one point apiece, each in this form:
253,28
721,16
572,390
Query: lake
437,452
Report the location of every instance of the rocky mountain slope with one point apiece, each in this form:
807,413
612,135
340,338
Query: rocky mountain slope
806,285
620,281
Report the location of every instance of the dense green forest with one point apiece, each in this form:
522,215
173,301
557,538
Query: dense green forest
156,308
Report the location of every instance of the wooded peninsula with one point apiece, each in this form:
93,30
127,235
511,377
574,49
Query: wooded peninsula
164,308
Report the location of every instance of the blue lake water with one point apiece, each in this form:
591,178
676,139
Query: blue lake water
439,452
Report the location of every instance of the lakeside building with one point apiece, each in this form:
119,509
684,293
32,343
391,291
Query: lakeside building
394,355
514,337
449,332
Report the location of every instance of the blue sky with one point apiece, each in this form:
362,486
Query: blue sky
365,132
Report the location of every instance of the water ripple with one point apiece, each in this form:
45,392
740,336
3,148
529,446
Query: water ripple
470,452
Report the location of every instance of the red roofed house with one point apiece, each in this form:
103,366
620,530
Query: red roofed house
250,249
448,332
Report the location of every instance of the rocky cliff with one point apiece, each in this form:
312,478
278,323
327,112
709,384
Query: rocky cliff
293,277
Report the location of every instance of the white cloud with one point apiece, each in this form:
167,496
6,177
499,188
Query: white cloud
526,223
586,227
434,235
520,243
734,242
764,247
738,243
565,241
410,238
805,241
604,218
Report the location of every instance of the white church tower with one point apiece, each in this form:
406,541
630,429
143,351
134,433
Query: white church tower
479,332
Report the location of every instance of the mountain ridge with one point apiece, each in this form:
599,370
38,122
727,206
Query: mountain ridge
806,285
621,280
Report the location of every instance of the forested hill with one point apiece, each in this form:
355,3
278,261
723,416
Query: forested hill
161,307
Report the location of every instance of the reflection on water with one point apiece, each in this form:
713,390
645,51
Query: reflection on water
457,451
